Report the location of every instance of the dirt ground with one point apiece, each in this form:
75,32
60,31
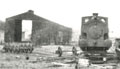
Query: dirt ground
42,58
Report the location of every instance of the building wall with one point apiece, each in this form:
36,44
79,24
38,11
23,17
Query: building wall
1,36
9,30
50,34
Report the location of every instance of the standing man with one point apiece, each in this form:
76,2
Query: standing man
59,52
74,51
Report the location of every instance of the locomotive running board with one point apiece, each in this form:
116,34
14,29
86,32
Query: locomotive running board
97,58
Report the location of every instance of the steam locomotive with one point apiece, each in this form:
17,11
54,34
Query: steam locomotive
94,38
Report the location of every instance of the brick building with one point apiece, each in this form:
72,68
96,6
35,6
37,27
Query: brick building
43,31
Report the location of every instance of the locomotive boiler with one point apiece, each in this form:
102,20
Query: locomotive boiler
94,38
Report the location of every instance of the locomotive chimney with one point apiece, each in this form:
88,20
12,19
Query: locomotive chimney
95,15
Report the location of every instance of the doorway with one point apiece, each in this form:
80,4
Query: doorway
26,30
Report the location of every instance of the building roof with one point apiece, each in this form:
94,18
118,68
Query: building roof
29,15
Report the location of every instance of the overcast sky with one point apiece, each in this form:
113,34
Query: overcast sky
65,12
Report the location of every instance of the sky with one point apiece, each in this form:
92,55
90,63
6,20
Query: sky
66,12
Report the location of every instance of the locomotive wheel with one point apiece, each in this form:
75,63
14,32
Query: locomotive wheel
21,51
30,51
12,51
9,51
18,51
15,51
26,50
6,50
